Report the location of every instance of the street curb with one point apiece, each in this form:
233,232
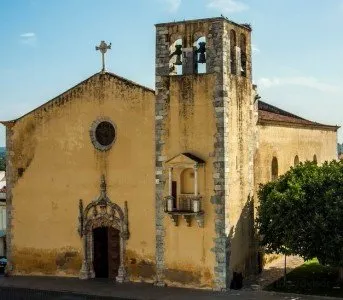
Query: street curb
300,295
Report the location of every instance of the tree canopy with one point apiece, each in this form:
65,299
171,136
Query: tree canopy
301,213
2,164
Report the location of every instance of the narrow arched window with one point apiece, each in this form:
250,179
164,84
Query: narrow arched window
296,160
275,168
200,55
315,159
243,47
233,45
175,58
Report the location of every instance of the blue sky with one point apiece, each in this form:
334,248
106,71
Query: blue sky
48,46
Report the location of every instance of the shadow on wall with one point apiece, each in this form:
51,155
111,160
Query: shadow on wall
243,245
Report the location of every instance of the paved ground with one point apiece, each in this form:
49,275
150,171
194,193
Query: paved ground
275,270
39,288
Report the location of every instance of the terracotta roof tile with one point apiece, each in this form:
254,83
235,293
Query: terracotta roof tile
273,115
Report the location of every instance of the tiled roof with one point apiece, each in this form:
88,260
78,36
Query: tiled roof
269,114
193,157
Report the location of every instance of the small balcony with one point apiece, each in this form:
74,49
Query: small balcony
187,206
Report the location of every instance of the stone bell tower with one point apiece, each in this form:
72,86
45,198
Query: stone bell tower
205,106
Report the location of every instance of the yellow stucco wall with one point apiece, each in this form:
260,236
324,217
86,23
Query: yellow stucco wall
190,128
61,166
240,180
285,143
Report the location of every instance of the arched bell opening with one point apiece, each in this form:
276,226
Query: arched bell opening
176,58
233,57
243,48
200,55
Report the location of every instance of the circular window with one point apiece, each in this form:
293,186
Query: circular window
103,134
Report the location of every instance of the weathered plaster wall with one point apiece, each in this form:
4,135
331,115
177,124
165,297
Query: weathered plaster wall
189,128
54,164
166,35
285,143
239,155
225,95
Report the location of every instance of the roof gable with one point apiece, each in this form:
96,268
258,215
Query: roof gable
60,98
184,159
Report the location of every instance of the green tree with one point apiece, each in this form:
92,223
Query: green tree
2,164
301,213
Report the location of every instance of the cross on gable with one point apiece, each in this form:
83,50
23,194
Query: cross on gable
103,47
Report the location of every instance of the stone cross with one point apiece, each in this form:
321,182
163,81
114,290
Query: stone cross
103,49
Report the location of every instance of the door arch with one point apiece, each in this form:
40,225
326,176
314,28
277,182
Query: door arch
102,213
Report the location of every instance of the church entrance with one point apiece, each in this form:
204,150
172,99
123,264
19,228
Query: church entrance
106,260
104,229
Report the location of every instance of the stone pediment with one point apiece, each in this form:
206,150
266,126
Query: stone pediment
184,159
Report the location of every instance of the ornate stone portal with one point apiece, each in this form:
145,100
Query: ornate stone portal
101,212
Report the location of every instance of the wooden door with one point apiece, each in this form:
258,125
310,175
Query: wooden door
113,252
100,258
174,193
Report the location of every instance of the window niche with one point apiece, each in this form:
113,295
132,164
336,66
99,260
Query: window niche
296,160
187,181
183,198
175,58
315,159
200,55
243,47
275,169
233,60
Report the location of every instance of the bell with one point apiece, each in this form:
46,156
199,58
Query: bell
202,51
178,53
202,58
178,61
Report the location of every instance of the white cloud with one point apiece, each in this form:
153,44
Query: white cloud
309,82
28,38
28,35
172,5
227,6
255,49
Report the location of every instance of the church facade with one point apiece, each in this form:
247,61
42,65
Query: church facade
112,179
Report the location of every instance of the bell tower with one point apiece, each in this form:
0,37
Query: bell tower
205,106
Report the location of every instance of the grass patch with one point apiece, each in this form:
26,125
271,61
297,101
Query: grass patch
311,278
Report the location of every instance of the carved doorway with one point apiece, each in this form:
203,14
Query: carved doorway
103,227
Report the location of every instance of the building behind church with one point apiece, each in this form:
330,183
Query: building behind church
3,213
112,179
